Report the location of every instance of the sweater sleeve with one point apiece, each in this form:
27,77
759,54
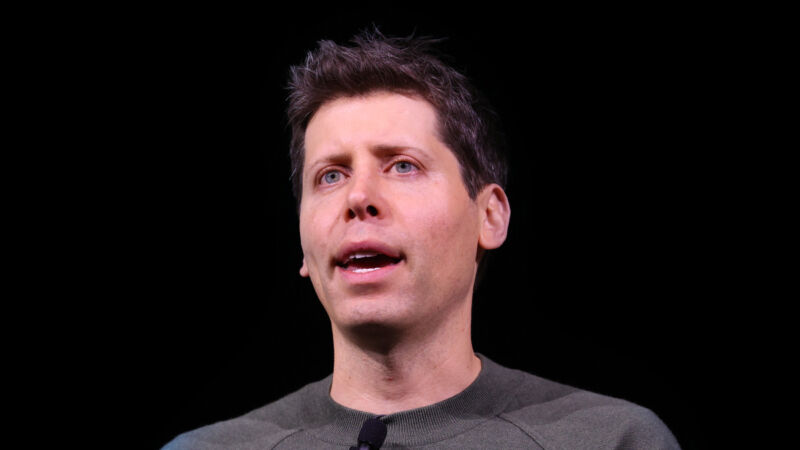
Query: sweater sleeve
586,423
241,434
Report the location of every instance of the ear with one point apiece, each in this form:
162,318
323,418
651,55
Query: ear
304,269
495,215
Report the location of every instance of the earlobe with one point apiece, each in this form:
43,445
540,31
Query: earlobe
304,269
496,213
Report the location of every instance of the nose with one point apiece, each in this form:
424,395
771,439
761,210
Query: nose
364,199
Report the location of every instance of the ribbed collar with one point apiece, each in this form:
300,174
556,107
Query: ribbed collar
484,398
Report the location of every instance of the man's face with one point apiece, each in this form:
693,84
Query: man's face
388,231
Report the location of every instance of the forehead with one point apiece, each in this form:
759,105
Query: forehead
380,118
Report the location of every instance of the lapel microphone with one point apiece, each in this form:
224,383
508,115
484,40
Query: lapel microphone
372,434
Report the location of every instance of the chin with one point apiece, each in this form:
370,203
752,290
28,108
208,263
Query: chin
375,336
372,319
366,323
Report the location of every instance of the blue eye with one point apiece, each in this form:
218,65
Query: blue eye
332,177
404,167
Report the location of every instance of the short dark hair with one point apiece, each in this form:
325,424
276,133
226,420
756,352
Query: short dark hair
409,66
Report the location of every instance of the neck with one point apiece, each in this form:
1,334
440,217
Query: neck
406,371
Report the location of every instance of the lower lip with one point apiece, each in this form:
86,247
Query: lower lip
372,276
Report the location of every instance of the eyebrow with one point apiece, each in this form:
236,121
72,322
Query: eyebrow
337,158
380,150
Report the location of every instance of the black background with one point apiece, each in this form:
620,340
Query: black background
178,239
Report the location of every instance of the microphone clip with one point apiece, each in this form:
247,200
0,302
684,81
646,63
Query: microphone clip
372,434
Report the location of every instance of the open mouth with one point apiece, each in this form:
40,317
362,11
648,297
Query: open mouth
363,262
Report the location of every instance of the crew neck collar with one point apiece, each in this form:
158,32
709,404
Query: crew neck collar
484,398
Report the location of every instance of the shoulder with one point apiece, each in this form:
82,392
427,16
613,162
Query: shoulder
561,416
260,428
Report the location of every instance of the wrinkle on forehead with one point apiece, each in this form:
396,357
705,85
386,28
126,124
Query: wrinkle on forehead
408,111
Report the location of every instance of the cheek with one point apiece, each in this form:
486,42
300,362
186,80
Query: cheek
310,238
451,229
448,253
313,252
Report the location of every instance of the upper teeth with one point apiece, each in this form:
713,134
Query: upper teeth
362,255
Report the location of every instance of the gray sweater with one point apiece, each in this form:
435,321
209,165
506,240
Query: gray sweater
502,409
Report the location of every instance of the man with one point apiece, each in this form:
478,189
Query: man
400,180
